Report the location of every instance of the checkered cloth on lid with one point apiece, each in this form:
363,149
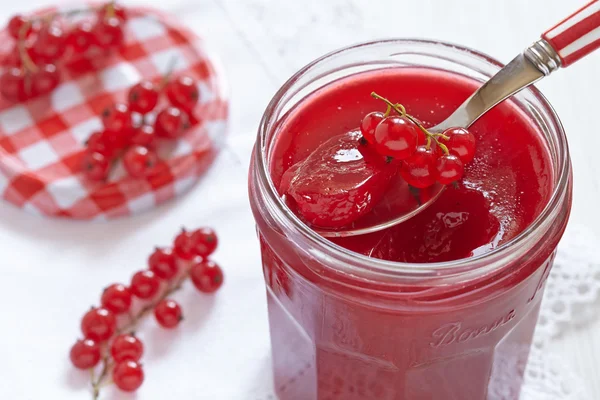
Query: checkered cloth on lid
42,140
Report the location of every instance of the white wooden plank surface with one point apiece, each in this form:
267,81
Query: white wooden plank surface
262,42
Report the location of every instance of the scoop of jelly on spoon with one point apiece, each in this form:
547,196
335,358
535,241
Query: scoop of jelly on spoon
339,183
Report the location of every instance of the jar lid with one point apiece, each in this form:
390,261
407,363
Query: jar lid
42,140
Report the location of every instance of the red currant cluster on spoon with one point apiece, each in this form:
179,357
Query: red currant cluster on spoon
45,44
128,130
108,340
426,157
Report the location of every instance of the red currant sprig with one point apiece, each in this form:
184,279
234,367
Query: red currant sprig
137,142
45,44
426,157
108,344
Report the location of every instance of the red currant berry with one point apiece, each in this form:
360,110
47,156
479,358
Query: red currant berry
207,276
126,347
80,65
168,313
118,140
368,125
96,166
183,92
108,32
116,11
12,58
98,143
45,79
117,118
49,45
461,144
144,285
143,97
171,123
419,169
12,85
17,23
116,298
128,375
96,139
449,169
81,38
144,136
139,161
163,263
422,138
184,245
85,354
98,324
205,241
396,137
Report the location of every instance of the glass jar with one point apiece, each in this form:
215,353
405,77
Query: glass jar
346,326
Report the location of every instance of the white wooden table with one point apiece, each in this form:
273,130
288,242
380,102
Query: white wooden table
261,43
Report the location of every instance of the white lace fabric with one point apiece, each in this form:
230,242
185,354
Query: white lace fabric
570,299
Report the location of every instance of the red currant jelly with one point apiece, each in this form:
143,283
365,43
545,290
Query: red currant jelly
442,306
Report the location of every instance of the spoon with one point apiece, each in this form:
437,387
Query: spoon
564,44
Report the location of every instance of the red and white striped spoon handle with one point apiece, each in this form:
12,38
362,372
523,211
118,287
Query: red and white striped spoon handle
577,35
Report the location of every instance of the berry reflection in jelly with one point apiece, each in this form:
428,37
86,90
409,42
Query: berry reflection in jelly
109,347
363,162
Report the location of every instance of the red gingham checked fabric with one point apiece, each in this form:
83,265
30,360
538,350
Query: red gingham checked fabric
42,140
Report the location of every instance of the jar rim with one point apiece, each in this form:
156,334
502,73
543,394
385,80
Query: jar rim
350,259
